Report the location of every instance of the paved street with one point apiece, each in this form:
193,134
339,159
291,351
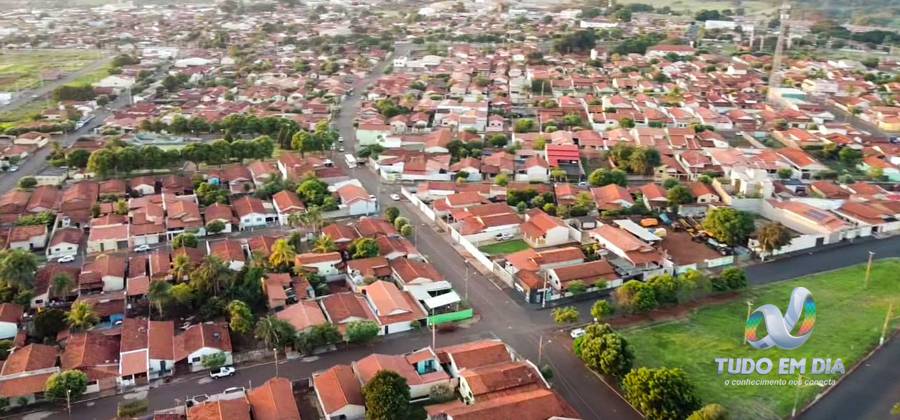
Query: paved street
869,393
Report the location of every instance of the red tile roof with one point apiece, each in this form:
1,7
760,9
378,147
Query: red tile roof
274,400
337,388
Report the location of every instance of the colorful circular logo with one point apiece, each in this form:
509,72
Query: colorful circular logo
778,327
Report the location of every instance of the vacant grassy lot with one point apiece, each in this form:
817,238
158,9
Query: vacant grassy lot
503,248
751,6
849,321
22,69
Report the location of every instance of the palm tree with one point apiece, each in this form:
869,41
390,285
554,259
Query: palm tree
62,284
274,331
312,218
295,219
282,254
160,294
208,275
82,316
181,267
324,244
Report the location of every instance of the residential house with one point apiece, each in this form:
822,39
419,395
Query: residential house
25,373
356,200
201,340
612,197
303,315
251,212
107,271
28,238
273,400
218,212
339,393
421,369
326,265
542,230
343,308
629,255
229,251
594,274
66,241
10,317
287,203
396,310
95,354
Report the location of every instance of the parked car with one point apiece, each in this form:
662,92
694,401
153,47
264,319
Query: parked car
503,236
395,197
66,259
142,248
578,332
222,372
13,168
234,389
197,399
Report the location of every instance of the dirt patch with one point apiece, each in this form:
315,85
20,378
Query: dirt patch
673,312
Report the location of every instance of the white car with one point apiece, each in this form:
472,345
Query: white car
222,372
142,248
13,168
234,389
341,149
66,259
395,197
578,332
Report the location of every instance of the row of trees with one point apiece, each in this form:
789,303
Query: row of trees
118,158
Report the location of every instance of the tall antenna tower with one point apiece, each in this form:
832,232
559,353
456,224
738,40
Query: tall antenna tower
775,76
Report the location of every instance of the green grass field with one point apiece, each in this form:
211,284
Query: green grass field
751,6
848,325
503,248
22,69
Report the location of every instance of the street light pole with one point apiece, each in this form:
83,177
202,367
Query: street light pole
276,361
540,349
69,401
887,319
869,268
433,329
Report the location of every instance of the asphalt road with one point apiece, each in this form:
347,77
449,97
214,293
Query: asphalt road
47,88
868,393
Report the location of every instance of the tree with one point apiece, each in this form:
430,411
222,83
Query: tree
732,278
48,323
679,195
183,294
209,276
274,332
660,393
386,396
498,140
605,351
576,287
282,255
728,225
27,182
406,230
82,316
159,294
636,297
558,175
693,285
312,218
539,144
400,222
523,126
181,267
62,284
78,158
785,173
850,157
214,361
502,180
665,288
240,317
364,248
185,239
643,160
362,331
214,227
5,347
601,310
69,384
391,213
601,177
772,237
324,244
565,315
710,412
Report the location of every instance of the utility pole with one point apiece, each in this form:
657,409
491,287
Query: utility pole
276,361
869,268
540,350
69,401
467,279
887,319
433,330
544,293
